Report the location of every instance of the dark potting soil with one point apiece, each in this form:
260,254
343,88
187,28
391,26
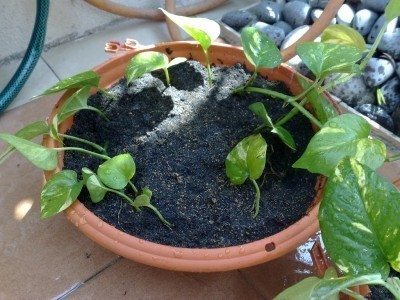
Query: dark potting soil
179,137
381,293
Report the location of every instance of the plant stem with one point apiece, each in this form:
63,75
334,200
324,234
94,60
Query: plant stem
352,294
317,83
98,111
122,195
286,98
393,158
159,215
167,76
74,138
256,204
392,289
133,187
105,157
208,67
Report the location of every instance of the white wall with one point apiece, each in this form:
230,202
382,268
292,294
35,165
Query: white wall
68,19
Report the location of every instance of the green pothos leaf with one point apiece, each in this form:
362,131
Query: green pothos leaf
88,79
359,219
59,193
145,62
345,35
259,109
117,171
247,159
342,136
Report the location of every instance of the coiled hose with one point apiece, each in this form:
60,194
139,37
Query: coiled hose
31,57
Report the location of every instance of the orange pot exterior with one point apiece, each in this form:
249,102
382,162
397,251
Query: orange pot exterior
189,259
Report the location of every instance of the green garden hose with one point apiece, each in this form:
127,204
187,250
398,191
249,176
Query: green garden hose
31,57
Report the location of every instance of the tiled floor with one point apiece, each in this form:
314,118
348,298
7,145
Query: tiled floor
51,259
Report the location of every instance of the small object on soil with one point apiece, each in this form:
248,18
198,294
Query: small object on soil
376,114
345,15
316,13
267,11
391,27
376,5
293,36
238,19
378,71
275,33
354,91
364,20
285,26
390,44
391,93
296,13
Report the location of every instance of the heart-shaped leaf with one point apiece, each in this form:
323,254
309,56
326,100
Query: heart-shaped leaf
392,10
323,109
323,59
54,129
247,159
96,189
359,219
41,157
344,135
259,49
88,79
344,35
29,132
258,108
304,289
203,30
176,61
145,62
117,171
59,193
75,103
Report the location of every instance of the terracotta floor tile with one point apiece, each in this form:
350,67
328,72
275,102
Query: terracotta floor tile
38,259
136,281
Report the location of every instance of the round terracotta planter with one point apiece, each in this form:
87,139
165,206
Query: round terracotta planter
189,259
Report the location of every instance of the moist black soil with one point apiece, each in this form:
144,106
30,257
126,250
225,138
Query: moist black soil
179,137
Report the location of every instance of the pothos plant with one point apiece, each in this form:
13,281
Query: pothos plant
359,212
114,175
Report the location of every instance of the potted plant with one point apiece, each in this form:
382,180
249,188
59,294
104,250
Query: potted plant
204,136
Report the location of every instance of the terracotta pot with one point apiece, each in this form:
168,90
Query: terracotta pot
189,259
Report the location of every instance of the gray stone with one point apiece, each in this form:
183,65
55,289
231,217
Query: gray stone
267,11
391,93
390,44
396,120
318,3
275,33
345,15
316,13
378,26
354,91
296,13
364,20
377,114
292,37
398,69
238,19
378,71
285,26
375,5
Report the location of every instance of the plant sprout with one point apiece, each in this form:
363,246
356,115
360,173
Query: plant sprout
149,61
203,30
247,161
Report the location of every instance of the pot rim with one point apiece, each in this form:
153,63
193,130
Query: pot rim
181,258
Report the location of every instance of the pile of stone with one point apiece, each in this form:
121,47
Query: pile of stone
285,21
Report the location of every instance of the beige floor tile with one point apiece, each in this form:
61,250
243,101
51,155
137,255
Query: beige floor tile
38,259
41,78
85,53
136,281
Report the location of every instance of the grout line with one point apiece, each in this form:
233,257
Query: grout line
51,69
65,295
252,285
